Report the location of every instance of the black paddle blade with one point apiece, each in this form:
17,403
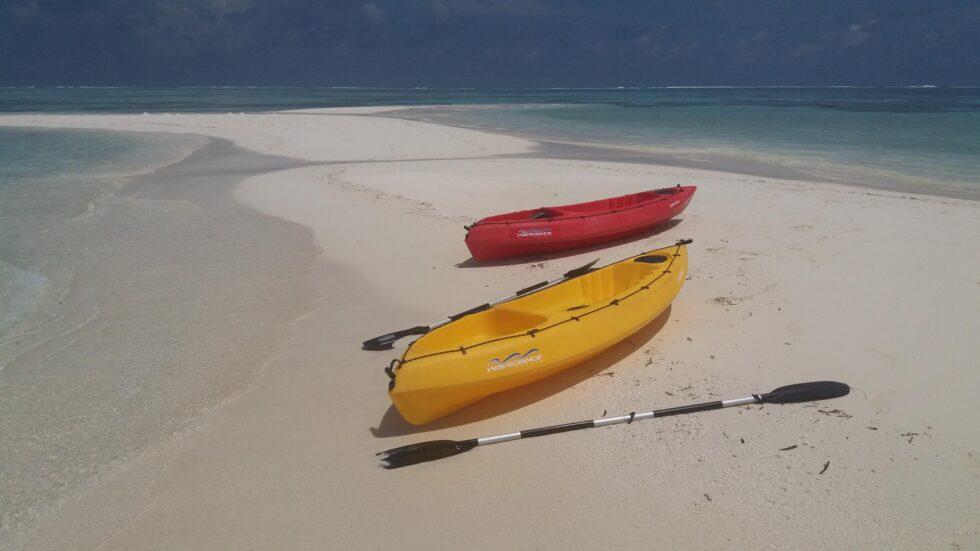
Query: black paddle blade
806,392
413,454
581,270
386,342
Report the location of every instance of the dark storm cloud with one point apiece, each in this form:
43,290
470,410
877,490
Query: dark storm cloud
487,42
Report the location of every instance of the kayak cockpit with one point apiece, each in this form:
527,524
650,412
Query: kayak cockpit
545,307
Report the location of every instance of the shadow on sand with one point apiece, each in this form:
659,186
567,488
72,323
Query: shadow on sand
474,263
392,424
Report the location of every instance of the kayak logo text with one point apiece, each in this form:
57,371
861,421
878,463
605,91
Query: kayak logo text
674,204
534,232
515,360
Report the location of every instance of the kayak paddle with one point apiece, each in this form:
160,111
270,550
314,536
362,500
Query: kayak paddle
438,449
387,341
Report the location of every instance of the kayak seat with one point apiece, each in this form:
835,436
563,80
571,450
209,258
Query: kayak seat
490,324
546,212
592,290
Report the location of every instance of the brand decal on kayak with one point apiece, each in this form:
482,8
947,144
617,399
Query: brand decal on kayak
674,204
515,360
534,232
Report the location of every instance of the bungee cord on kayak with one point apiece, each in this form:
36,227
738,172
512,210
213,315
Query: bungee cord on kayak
519,341
532,332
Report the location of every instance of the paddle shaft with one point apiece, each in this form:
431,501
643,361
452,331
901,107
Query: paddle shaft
607,421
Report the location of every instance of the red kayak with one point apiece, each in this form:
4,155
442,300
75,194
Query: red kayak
549,229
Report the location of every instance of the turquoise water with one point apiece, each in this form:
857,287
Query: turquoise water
914,150
50,180
923,139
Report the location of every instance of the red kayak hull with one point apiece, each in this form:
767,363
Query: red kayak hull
550,229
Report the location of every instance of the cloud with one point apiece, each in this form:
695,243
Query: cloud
24,8
499,7
748,48
480,42
228,7
374,12
439,10
855,36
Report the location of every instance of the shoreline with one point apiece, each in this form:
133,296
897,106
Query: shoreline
747,163
513,143
148,358
287,462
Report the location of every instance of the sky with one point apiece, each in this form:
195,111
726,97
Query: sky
488,43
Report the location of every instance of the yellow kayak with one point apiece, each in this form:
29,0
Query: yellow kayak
536,335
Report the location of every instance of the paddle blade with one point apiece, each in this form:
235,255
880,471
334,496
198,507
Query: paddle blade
806,392
413,454
386,342
581,270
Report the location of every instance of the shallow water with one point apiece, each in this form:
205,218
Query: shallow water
49,180
133,299
927,145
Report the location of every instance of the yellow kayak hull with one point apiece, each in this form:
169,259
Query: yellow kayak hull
535,336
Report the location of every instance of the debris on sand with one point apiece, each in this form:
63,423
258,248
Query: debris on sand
787,448
825,467
835,412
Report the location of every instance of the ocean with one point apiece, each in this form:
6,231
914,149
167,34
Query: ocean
914,139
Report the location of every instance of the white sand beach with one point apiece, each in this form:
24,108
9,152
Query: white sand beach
790,281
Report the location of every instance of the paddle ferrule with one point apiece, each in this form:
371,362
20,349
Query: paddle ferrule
606,421
754,399
486,441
